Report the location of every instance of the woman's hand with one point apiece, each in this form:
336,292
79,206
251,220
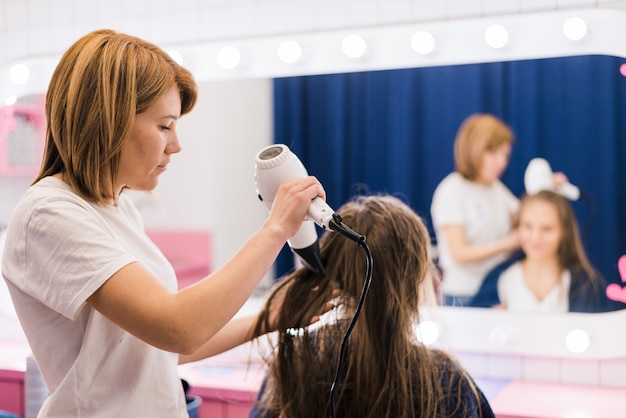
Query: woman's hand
292,202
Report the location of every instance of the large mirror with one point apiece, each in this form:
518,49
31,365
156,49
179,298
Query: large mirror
249,93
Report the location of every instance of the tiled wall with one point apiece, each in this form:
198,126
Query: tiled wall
43,27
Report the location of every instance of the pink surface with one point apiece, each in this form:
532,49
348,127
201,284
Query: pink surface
545,400
228,383
188,251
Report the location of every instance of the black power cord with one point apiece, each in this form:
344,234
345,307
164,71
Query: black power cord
338,226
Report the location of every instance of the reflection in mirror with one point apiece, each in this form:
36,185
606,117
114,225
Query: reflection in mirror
393,131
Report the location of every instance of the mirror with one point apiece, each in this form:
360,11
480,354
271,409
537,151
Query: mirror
390,48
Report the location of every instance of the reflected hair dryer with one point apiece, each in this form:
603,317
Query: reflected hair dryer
276,164
538,176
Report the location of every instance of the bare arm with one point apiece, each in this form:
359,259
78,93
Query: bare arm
463,252
184,321
234,333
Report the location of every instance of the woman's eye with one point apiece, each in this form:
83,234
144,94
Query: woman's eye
165,128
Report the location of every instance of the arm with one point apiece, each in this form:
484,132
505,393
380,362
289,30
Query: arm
236,332
463,252
185,321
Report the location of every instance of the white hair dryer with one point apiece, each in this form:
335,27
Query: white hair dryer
538,176
276,164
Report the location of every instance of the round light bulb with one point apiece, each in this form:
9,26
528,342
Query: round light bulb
496,36
423,42
427,332
11,100
577,341
19,74
228,57
575,28
289,52
354,46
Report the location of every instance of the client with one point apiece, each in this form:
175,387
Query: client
551,273
386,371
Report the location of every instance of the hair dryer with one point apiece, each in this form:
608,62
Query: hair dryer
538,176
276,164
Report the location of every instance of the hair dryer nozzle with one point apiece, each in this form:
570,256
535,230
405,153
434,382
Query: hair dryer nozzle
310,257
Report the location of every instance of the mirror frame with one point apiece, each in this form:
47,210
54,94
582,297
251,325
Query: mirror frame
458,41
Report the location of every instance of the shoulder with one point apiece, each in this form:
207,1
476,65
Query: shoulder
487,295
453,186
466,398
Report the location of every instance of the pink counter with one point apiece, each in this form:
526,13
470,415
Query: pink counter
228,385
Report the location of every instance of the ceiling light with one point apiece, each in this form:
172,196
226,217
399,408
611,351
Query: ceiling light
354,46
496,36
423,42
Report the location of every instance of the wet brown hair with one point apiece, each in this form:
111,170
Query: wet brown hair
387,372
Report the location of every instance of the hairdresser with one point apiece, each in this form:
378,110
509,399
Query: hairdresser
97,300
473,212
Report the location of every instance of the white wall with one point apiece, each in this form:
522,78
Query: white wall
210,183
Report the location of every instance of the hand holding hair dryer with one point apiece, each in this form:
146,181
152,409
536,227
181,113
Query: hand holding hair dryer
538,176
276,164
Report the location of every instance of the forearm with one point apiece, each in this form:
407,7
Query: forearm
472,253
210,304
234,333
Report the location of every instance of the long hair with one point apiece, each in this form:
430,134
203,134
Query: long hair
478,134
571,253
386,371
100,84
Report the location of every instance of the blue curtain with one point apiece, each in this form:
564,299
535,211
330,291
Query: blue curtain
393,131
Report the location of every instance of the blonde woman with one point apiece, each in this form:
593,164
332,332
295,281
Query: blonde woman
473,212
97,300
386,371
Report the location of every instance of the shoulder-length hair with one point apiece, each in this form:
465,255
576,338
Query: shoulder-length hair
387,372
101,83
478,134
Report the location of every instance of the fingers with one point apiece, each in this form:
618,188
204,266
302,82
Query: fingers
292,202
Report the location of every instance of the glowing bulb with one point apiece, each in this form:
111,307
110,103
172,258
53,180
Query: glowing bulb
577,341
228,57
11,100
575,28
289,52
423,42
354,46
622,69
176,56
19,74
496,36
427,332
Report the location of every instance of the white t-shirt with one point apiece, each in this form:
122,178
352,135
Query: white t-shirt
59,249
485,213
515,294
